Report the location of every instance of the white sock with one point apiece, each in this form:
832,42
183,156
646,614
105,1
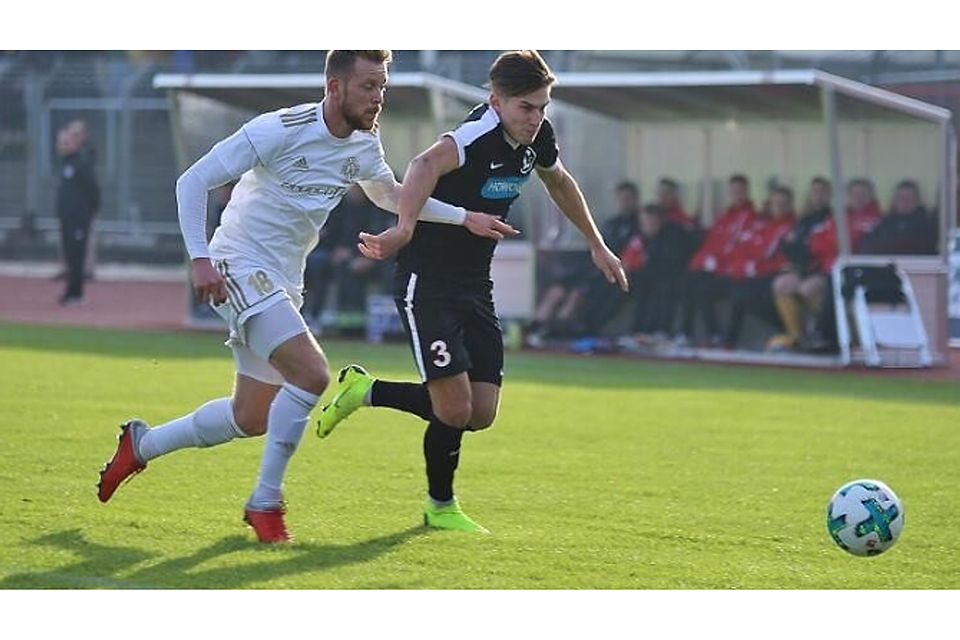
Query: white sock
285,424
208,426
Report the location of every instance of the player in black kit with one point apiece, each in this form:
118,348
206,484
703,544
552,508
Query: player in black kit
442,285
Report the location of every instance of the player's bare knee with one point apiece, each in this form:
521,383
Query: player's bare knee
315,380
786,285
482,419
312,375
454,414
480,425
253,422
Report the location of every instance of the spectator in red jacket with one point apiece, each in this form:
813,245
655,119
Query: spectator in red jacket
800,289
756,261
863,210
704,284
863,215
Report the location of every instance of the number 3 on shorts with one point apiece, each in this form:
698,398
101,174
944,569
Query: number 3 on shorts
443,356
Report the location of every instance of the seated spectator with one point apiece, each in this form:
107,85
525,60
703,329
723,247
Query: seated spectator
799,291
863,210
337,260
704,284
319,273
908,229
756,261
656,259
668,197
564,275
863,215
601,302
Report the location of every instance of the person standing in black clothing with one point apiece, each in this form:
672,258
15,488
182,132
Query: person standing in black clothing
442,283
78,199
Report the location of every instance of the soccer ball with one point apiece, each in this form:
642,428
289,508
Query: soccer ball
865,517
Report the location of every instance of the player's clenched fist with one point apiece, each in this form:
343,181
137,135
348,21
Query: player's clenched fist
208,284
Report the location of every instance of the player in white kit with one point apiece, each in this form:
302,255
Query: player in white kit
296,164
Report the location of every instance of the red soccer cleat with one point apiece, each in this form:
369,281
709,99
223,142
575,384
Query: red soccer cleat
124,464
268,525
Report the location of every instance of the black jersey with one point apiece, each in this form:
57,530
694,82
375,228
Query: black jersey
492,171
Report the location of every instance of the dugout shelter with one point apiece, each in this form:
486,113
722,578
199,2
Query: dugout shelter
779,127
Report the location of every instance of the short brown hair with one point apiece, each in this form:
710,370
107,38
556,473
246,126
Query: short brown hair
786,192
340,62
516,73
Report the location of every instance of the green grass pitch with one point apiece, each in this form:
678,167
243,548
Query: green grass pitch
600,473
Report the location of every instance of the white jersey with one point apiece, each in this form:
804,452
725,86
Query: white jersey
299,175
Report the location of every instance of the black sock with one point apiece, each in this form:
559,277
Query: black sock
403,396
441,448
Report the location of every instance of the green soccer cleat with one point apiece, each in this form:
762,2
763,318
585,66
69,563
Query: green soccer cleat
450,517
353,383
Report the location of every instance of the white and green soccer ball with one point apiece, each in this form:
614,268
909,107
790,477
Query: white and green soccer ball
865,517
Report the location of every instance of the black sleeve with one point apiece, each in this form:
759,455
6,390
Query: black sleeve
86,180
546,147
796,251
93,189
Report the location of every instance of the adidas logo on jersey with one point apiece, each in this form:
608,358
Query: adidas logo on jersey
301,163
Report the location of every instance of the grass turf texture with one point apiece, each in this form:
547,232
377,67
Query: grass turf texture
601,473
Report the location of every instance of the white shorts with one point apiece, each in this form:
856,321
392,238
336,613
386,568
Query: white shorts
260,315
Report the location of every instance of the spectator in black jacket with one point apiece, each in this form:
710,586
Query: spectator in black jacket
337,261
908,229
657,259
601,302
78,200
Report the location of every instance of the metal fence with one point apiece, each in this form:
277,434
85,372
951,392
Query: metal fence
129,130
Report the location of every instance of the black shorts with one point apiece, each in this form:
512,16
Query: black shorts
452,329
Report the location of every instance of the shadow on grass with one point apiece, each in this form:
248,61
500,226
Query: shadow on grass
114,567
96,567
556,370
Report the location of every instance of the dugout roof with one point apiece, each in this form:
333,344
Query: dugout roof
408,95
793,95
765,96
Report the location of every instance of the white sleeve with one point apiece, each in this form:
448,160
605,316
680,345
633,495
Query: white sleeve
385,193
267,135
229,159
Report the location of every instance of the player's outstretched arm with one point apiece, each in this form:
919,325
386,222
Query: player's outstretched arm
385,193
566,193
418,184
